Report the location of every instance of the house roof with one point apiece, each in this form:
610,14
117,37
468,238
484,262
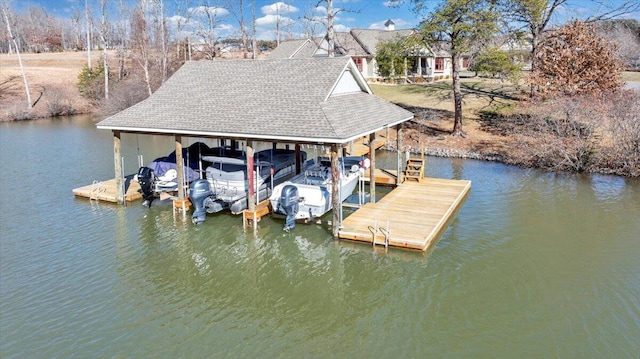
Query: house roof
369,38
346,44
357,42
292,49
299,100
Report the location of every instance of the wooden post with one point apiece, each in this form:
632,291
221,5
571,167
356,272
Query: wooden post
399,134
180,167
335,197
251,198
298,159
372,169
117,162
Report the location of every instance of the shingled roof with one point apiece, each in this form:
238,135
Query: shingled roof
369,38
300,100
294,49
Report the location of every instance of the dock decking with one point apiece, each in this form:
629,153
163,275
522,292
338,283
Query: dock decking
361,147
106,190
417,213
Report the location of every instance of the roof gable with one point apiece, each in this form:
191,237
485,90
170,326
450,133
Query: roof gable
350,81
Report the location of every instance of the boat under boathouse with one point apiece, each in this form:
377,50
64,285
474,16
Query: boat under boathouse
315,101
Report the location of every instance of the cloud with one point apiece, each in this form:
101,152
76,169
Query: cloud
211,10
268,20
320,10
278,8
225,27
341,28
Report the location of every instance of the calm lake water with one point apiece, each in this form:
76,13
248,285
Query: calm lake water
535,265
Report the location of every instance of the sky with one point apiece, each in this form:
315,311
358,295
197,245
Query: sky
351,14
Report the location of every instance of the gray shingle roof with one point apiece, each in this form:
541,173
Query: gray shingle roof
270,99
348,45
293,49
369,39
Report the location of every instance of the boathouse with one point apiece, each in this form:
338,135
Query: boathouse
300,101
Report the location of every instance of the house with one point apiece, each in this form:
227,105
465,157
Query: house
425,64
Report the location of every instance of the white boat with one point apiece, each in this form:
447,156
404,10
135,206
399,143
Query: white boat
226,185
308,194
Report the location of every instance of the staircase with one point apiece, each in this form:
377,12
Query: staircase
414,170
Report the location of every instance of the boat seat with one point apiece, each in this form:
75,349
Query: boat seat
167,182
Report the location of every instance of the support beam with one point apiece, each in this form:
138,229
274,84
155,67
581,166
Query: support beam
251,198
298,159
399,134
117,163
335,196
372,169
180,167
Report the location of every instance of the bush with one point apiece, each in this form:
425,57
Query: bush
588,133
58,102
495,62
91,82
124,94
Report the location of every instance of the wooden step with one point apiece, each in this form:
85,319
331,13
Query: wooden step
414,171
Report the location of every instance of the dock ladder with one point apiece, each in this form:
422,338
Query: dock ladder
386,233
414,171
96,189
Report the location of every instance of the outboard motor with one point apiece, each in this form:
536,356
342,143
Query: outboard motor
199,193
146,178
289,201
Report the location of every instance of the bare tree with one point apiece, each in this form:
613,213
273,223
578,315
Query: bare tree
237,9
328,22
253,30
88,22
5,12
104,36
75,24
163,37
207,18
140,39
182,21
121,33
331,33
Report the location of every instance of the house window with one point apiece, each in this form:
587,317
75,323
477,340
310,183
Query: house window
439,66
465,62
358,62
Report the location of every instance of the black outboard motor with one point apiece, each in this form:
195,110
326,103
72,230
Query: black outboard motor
199,193
289,200
146,177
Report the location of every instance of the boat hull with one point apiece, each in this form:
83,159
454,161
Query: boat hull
314,191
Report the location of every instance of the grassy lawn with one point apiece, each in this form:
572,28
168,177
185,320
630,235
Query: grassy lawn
478,94
631,76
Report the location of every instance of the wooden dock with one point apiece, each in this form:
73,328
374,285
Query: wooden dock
360,147
106,190
412,216
383,177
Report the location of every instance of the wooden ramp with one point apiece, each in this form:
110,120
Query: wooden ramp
412,216
106,190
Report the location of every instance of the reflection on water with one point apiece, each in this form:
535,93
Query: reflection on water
536,264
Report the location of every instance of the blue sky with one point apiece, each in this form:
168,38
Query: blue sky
291,13
353,13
